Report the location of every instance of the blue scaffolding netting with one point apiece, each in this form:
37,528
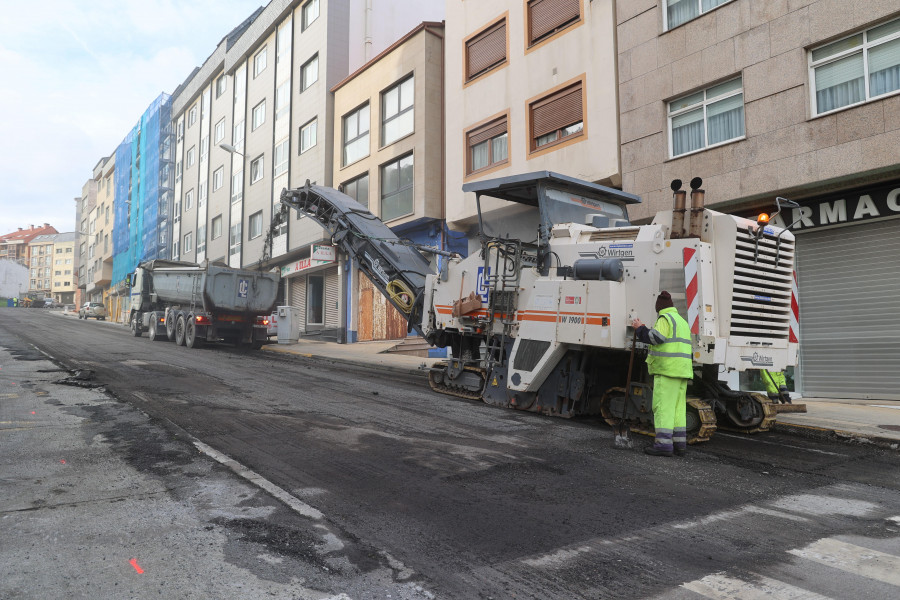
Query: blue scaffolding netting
143,190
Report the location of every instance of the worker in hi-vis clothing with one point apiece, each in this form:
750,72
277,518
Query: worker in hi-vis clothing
776,386
669,361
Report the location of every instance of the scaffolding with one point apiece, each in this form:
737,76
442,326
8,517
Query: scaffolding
143,190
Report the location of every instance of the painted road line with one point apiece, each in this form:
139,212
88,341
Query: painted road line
851,558
719,586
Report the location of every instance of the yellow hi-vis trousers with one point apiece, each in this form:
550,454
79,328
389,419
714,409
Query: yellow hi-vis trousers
669,412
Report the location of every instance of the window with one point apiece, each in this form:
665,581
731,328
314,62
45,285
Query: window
234,244
486,50
487,146
201,195
397,188
857,68
256,226
398,116
204,148
706,118
557,117
256,170
177,211
218,178
237,187
282,100
201,238
192,115
217,227
283,43
220,130
107,221
358,189
356,135
546,17
221,85
180,129
69,250
59,250
191,157
175,253
259,62
281,158
188,242
189,199
239,136
178,168
310,13
682,11
308,135
259,115
309,72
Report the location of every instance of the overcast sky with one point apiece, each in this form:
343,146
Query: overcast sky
75,77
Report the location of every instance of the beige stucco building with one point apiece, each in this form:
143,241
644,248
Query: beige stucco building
799,99
388,156
530,86
52,267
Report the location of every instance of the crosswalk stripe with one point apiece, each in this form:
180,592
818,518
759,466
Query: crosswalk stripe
853,559
721,587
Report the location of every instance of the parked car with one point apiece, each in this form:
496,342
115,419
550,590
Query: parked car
51,303
92,309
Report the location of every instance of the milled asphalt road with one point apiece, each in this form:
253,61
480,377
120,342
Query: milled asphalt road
419,494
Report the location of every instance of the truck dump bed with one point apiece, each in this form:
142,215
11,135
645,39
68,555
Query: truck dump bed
214,287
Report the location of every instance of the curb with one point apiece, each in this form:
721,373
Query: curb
835,435
351,361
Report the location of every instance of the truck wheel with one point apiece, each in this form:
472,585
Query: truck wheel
135,325
153,331
180,327
170,325
191,339
256,344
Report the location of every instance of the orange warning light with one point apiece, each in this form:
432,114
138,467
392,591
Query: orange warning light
134,564
762,219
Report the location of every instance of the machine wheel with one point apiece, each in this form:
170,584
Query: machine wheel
79,316
135,325
170,325
256,344
153,332
191,339
180,329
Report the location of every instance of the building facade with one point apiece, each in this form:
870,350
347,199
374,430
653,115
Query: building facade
801,100
531,84
52,267
84,205
15,246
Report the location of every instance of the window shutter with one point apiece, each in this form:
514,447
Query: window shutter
486,50
487,132
545,16
559,110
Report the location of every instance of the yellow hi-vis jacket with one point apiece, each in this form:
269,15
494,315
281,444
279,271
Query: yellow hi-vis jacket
774,381
670,354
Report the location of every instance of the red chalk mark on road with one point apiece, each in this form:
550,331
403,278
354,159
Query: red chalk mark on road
34,413
62,460
134,564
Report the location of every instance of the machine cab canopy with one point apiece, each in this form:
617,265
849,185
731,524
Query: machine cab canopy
559,198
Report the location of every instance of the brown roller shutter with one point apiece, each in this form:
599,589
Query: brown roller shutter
486,50
558,111
545,16
486,133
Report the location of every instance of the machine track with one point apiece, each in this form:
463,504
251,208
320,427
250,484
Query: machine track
440,381
770,413
701,419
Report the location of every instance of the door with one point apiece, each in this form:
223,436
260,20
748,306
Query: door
315,302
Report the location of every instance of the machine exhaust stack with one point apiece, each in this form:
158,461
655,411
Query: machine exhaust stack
679,198
698,197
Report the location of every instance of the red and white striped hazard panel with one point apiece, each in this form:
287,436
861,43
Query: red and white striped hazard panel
691,289
794,336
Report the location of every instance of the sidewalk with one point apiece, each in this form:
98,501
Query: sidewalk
864,421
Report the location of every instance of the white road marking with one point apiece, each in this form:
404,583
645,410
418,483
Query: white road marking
813,504
759,441
853,559
721,587
884,406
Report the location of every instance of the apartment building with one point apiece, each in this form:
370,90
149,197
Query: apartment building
531,84
52,267
388,156
15,246
256,118
84,205
99,238
800,100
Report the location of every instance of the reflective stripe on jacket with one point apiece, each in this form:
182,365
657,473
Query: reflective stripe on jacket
672,357
774,380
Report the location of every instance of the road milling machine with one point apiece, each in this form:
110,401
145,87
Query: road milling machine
545,325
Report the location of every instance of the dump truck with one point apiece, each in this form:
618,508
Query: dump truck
543,324
191,304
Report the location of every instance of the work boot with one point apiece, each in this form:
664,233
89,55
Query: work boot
680,451
653,451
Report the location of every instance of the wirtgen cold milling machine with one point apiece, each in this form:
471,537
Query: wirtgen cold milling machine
544,325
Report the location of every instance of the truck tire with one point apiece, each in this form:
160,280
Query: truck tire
180,327
191,337
153,332
170,325
256,344
135,325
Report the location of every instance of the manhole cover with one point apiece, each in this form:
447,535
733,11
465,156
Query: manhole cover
890,427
